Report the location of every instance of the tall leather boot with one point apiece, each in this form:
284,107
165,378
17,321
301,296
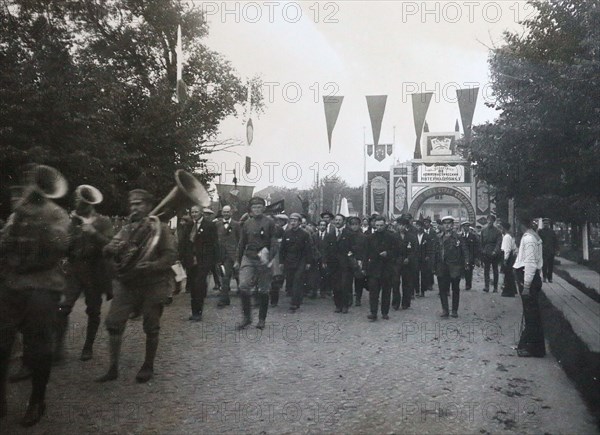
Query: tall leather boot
262,311
147,370
114,343
40,374
90,337
246,310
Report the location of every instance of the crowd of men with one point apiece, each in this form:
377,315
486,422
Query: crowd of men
49,258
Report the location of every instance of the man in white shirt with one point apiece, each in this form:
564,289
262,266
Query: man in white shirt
509,252
528,266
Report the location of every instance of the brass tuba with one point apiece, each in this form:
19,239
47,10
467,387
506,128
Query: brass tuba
41,180
88,194
188,191
26,231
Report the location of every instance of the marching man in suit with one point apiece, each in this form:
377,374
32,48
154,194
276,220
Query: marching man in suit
203,252
228,232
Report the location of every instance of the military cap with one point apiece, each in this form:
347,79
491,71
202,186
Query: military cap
257,200
141,195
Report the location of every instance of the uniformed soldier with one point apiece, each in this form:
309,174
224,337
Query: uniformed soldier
254,257
452,257
472,242
550,248
491,239
86,270
294,254
380,256
143,281
32,243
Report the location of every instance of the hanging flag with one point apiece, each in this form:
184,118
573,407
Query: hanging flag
425,127
420,104
181,88
332,105
467,99
390,149
376,106
370,150
248,162
379,152
456,126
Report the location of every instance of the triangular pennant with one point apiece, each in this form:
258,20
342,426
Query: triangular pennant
379,152
390,149
376,106
425,127
420,104
249,131
370,150
332,105
456,126
467,99
181,88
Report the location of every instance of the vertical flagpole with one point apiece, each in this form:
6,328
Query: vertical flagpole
364,173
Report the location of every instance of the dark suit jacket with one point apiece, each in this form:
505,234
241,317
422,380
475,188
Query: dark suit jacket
425,252
406,249
204,250
228,239
295,249
377,266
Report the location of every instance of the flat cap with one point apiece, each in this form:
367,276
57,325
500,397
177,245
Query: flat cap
296,216
282,216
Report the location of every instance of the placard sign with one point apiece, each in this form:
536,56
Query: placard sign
441,174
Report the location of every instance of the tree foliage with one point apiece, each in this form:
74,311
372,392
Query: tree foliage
544,148
89,87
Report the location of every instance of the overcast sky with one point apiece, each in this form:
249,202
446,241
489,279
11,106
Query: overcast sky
351,49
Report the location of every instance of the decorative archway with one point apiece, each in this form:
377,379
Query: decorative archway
442,190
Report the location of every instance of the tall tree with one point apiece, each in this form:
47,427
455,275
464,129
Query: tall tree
544,148
90,88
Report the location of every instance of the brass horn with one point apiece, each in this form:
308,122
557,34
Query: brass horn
188,191
88,194
42,180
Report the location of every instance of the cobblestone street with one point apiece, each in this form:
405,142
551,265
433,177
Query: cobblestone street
317,372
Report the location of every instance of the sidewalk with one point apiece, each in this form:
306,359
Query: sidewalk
572,326
582,274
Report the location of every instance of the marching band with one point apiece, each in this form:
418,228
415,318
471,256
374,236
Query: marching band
49,258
